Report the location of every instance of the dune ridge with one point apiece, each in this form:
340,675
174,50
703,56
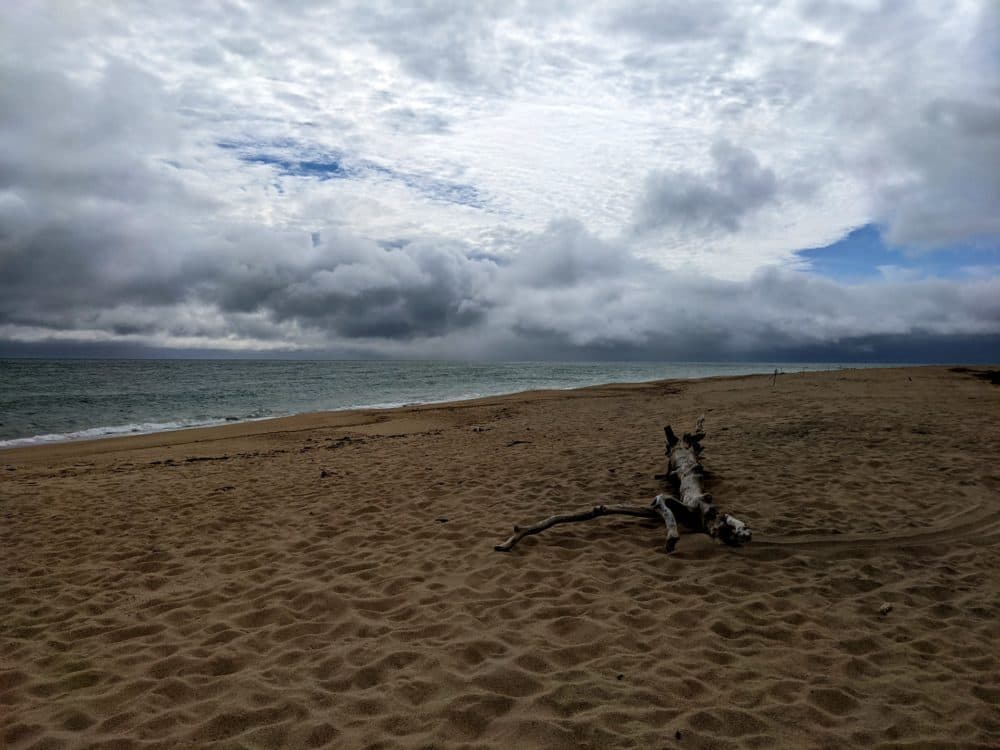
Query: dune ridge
329,580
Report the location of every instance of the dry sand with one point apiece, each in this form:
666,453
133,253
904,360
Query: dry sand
330,580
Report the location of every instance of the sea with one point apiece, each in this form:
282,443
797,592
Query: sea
44,401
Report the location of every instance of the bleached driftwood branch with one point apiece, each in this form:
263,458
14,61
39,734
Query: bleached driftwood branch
692,506
596,512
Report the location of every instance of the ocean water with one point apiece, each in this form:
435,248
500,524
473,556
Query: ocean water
57,400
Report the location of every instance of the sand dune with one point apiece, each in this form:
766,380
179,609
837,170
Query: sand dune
330,580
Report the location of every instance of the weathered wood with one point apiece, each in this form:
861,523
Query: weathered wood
596,512
685,470
690,504
696,510
660,505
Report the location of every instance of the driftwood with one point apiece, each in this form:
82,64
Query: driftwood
693,505
689,503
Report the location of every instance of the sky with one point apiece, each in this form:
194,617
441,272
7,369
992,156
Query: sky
501,180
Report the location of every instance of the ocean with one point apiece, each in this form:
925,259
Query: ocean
57,400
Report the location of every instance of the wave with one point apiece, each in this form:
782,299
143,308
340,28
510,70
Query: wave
141,428
133,428
148,428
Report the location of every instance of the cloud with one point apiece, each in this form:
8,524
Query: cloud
454,179
602,296
673,21
565,291
736,186
443,41
952,189
352,288
917,98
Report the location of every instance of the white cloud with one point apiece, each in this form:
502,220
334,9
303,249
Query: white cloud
495,147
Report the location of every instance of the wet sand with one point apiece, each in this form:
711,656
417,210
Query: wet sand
329,580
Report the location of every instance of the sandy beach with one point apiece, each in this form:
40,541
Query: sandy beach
329,580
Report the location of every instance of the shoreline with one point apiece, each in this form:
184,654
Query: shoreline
330,580
58,439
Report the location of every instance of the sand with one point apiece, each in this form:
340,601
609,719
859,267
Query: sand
329,580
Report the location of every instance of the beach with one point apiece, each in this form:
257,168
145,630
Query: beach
330,579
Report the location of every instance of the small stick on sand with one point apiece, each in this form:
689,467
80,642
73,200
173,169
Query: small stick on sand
596,512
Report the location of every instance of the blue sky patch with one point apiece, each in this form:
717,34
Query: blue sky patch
328,168
863,255
435,189
292,159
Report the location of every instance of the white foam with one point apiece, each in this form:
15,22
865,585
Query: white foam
141,428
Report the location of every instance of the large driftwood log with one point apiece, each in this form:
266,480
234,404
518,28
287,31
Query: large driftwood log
689,503
693,506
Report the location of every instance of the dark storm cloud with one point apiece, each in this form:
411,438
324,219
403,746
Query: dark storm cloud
565,290
355,288
736,185
341,287
59,270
